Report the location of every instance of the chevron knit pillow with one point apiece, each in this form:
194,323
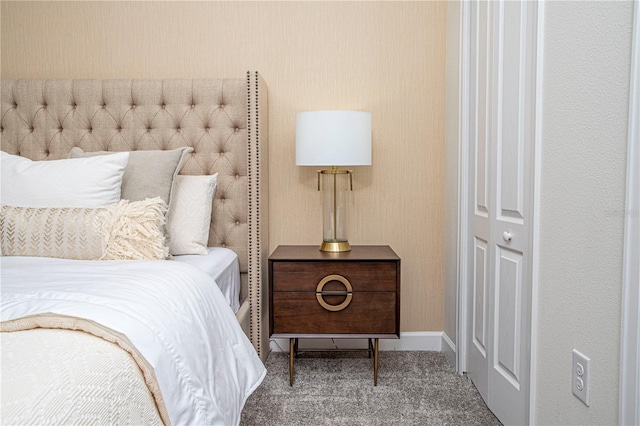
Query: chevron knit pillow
124,230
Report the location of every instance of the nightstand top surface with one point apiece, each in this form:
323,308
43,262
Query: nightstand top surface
313,253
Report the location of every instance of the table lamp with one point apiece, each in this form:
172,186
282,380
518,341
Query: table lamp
334,138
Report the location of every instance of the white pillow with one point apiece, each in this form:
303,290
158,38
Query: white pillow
82,182
189,217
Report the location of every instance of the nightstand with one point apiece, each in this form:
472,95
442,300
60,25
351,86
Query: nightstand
315,294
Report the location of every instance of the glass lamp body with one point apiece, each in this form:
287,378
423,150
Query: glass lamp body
335,186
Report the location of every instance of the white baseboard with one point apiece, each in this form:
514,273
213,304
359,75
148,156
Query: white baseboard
449,349
409,341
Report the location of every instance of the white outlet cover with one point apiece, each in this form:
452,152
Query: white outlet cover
581,376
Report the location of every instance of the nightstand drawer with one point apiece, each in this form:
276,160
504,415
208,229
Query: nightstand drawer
367,313
363,276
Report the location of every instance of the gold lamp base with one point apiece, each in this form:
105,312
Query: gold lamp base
335,246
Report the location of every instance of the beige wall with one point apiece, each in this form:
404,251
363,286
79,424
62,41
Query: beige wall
383,57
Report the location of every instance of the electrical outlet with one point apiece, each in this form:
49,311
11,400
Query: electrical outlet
581,376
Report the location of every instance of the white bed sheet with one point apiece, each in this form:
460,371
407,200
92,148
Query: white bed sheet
171,311
223,266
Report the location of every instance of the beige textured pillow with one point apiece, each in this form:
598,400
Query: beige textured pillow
148,174
189,218
125,231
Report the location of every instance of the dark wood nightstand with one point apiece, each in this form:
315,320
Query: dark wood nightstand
315,294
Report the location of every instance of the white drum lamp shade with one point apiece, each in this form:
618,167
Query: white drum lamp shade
333,138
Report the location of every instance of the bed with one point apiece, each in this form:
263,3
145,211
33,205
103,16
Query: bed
143,341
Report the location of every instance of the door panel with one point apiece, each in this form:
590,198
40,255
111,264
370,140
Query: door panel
508,315
482,126
502,124
509,129
481,273
511,229
480,173
512,110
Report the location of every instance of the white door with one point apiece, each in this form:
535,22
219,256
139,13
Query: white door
502,140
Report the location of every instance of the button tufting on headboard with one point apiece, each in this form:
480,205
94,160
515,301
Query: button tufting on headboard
44,119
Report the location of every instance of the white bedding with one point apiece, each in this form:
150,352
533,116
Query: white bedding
171,311
222,265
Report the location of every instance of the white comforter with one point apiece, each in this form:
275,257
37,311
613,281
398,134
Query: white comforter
172,312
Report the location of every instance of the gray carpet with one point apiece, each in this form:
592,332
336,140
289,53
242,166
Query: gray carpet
414,388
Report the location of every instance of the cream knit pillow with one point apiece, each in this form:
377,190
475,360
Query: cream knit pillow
124,230
189,218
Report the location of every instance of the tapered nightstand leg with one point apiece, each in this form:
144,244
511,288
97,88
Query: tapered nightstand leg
291,356
375,362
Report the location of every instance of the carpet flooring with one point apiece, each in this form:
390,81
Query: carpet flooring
414,388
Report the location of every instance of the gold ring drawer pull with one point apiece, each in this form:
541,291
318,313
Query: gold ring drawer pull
348,293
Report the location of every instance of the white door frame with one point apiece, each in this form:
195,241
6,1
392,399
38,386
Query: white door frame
630,330
463,257
463,188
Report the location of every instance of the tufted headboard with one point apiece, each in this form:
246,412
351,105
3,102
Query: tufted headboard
224,120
